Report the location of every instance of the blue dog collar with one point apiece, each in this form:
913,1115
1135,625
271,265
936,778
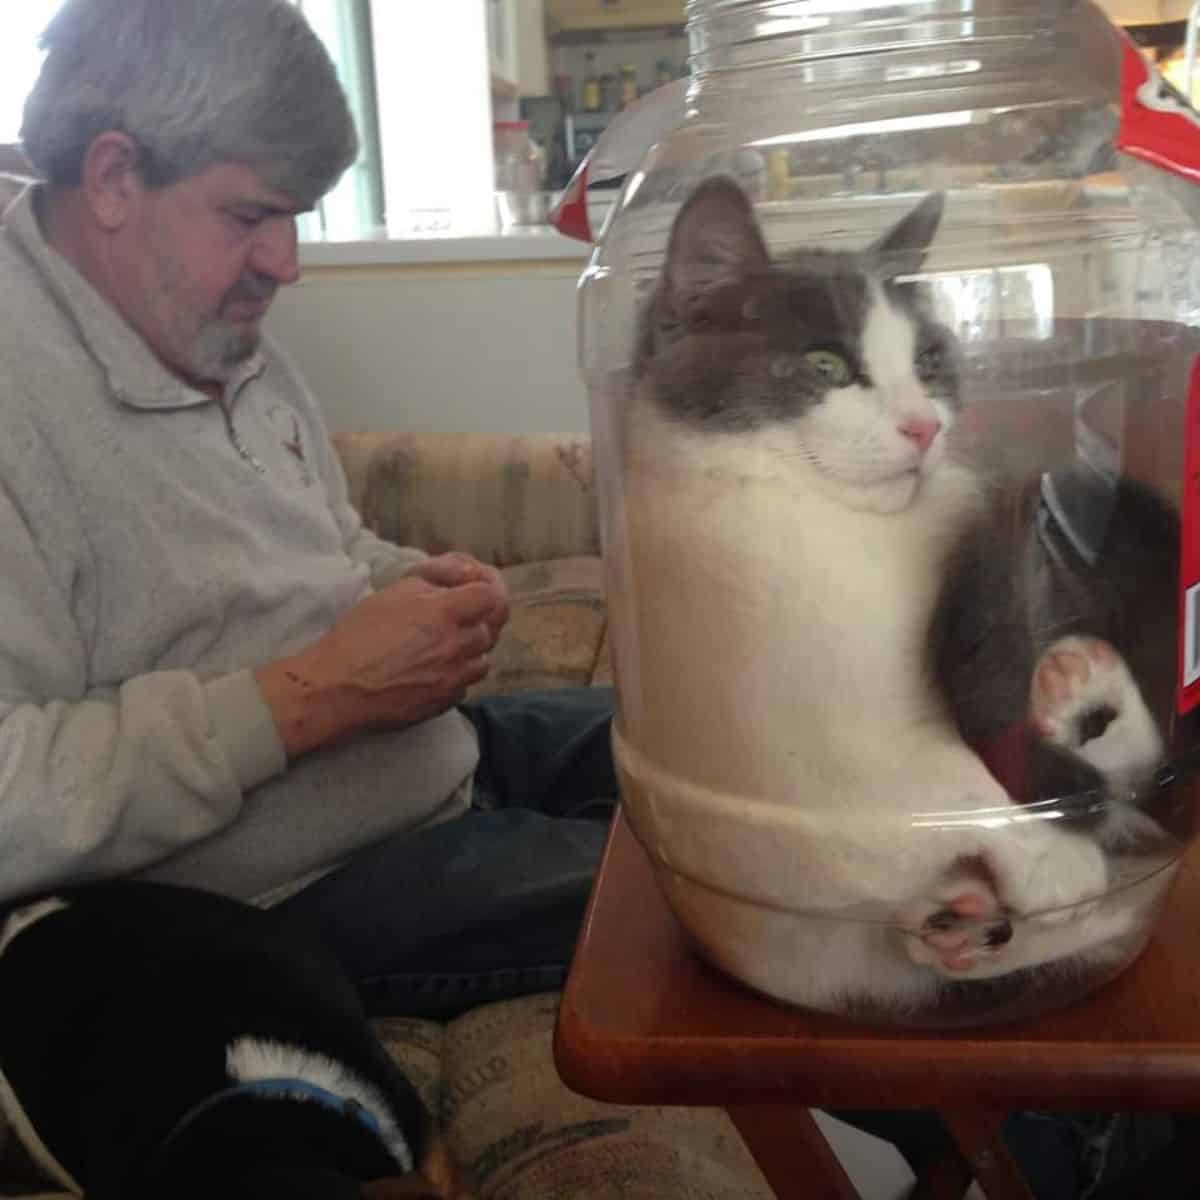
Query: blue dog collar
301,1089
290,1089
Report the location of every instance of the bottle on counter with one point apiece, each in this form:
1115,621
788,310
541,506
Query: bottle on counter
610,92
520,174
629,85
592,99
564,89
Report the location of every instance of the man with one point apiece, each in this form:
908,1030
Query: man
210,674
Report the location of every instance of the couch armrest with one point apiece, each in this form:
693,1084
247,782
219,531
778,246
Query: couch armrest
505,499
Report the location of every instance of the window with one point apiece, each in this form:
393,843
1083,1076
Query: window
356,203
416,75
20,60
435,116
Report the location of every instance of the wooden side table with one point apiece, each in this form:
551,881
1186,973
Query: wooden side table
644,1020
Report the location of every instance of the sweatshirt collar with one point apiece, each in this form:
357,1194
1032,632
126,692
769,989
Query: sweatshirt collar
135,375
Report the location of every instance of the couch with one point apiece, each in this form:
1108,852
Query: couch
527,505
524,504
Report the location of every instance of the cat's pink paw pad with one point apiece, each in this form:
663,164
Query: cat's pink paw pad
1072,676
1085,700
970,924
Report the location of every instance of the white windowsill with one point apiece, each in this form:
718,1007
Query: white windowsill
532,243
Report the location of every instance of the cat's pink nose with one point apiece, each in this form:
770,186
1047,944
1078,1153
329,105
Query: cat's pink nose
922,430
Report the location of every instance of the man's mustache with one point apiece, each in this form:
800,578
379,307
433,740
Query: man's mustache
251,290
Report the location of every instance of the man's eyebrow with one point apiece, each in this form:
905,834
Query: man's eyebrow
267,208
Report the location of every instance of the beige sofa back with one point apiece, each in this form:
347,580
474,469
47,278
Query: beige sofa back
506,499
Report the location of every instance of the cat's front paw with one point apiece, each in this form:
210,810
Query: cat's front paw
1085,700
1032,888
962,925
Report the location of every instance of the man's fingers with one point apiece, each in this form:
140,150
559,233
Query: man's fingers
477,639
472,603
451,570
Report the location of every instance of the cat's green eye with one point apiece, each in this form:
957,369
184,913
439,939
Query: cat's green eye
832,365
929,362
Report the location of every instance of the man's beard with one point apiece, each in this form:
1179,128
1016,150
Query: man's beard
223,346
220,349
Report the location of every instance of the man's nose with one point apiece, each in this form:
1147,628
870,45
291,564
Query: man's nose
276,251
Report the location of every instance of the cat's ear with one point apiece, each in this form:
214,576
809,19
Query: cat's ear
715,240
902,250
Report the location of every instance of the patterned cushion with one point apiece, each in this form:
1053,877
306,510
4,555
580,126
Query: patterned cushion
524,1136
603,674
556,629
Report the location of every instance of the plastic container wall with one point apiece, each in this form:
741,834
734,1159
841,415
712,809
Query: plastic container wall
891,421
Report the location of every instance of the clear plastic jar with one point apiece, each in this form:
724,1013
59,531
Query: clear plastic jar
892,433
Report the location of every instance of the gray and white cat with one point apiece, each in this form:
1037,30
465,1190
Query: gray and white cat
826,605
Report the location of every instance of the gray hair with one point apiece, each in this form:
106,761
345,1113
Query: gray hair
193,82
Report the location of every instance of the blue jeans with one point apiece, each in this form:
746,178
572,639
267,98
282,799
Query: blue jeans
486,906
1063,1156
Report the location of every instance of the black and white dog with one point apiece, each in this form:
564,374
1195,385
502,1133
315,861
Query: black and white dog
158,1041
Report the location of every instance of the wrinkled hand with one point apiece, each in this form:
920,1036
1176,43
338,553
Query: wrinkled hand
456,568
402,655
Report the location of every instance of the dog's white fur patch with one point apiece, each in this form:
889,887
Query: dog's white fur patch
249,1060
22,918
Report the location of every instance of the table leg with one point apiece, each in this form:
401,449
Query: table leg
978,1135
946,1178
792,1153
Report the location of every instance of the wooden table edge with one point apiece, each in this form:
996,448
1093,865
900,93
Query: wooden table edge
646,1069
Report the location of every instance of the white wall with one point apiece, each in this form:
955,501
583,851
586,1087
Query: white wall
473,347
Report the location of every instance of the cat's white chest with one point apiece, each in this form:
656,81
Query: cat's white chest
752,611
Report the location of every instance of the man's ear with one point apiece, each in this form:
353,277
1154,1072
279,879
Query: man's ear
111,182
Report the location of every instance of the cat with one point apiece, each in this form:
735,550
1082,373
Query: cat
823,600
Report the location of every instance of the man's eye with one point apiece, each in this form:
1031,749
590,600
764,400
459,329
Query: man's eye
832,365
246,220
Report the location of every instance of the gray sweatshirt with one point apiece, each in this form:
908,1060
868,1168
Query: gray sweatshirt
156,547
